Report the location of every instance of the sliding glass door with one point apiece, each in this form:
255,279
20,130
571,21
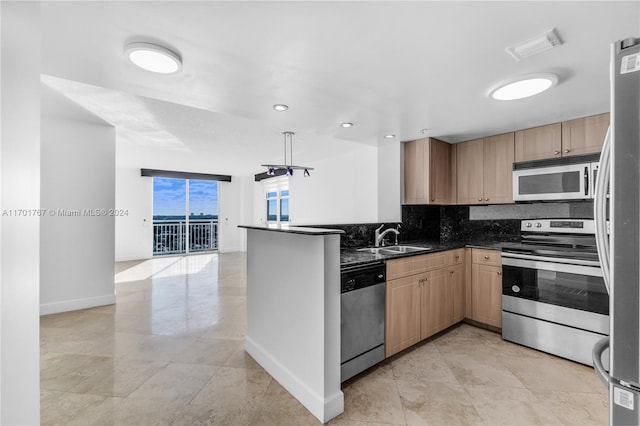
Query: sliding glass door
185,216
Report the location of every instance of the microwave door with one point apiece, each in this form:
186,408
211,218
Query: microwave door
567,182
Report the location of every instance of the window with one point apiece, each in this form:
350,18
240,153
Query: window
175,231
277,194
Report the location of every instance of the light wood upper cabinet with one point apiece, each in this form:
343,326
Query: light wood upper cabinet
484,169
584,135
470,172
429,172
574,137
538,143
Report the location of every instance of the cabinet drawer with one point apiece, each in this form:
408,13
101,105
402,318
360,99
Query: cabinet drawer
412,265
486,257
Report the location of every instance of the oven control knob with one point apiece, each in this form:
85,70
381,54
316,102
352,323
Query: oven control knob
528,224
538,225
515,288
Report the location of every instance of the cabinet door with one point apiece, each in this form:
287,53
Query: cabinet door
402,322
440,173
435,309
470,157
498,168
584,135
414,178
538,143
486,294
456,293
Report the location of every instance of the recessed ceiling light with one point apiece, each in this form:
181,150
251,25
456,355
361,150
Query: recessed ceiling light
154,58
346,124
524,86
280,107
389,136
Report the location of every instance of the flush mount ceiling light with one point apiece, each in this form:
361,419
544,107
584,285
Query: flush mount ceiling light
523,86
153,57
346,124
424,131
280,107
272,169
389,136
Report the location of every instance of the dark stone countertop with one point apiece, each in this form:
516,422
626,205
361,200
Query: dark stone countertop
294,229
352,257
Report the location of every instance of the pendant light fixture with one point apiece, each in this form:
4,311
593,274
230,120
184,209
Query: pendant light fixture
288,167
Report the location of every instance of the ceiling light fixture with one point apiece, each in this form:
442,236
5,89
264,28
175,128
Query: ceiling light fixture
524,86
153,57
346,124
289,168
389,136
280,107
424,131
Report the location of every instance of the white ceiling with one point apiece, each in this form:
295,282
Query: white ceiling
389,67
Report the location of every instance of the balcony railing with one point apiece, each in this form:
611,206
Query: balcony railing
170,236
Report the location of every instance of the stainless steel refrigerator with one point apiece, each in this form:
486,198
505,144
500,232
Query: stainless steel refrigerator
619,248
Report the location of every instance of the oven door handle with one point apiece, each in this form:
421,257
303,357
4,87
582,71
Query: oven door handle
521,262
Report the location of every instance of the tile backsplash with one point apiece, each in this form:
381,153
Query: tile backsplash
466,223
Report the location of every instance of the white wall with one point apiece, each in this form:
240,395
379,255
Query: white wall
133,231
77,252
342,189
19,235
390,181
134,193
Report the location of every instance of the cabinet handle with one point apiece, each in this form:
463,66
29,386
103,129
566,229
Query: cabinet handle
566,151
556,152
433,199
480,199
486,199
457,256
499,273
486,257
451,272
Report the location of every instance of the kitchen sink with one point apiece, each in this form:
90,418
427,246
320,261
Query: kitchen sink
372,250
388,250
404,249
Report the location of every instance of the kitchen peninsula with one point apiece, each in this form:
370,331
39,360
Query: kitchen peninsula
293,312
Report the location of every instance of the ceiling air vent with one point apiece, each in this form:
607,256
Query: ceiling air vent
533,46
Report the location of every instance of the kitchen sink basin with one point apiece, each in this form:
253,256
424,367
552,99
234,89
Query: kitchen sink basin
372,250
389,250
404,249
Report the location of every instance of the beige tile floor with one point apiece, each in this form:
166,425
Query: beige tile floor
171,352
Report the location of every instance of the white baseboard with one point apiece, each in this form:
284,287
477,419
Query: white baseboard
76,304
324,409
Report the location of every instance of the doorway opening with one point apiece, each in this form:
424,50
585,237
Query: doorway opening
185,216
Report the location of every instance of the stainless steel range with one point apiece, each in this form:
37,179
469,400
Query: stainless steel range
553,294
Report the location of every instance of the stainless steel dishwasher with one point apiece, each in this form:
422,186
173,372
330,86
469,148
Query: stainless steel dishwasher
363,296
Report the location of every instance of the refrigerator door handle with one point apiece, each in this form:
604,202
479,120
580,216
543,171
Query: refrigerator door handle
600,209
598,349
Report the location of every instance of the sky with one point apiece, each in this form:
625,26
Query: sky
169,197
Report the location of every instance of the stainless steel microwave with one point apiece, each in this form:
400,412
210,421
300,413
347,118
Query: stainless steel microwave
568,178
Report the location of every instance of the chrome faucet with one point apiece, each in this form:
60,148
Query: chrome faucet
379,237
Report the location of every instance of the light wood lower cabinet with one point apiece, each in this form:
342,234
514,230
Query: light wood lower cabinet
422,304
456,290
486,287
402,323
